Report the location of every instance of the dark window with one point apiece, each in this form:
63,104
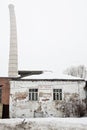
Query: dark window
0,94
57,94
33,94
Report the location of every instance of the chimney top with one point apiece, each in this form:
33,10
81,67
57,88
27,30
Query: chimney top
11,6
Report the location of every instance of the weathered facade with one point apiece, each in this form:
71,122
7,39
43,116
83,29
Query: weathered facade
4,97
41,96
47,98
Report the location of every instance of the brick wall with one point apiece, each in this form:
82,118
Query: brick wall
4,82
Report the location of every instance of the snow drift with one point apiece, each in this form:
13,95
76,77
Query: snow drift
44,124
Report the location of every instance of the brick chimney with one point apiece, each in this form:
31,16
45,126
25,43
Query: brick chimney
13,54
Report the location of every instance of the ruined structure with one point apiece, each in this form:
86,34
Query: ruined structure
38,93
46,95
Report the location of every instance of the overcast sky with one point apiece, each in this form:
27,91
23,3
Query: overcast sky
52,34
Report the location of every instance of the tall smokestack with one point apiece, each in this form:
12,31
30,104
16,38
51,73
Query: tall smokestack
13,55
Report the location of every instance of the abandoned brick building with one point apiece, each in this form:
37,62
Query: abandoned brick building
39,93
47,95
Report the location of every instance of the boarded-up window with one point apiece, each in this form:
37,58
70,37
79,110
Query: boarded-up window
33,94
57,94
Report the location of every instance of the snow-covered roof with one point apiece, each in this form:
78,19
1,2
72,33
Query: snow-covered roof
52,75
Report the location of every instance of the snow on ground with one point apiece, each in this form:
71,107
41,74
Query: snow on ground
44,124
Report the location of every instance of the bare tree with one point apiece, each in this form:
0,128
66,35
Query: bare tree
79,71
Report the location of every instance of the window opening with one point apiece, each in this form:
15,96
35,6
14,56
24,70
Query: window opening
57,94
33,94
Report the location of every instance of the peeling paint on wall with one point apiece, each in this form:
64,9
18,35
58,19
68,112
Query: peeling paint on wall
72,103
20,95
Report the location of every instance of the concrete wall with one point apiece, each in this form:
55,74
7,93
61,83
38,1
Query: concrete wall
73,99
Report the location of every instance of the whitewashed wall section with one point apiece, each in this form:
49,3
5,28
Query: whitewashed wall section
73,94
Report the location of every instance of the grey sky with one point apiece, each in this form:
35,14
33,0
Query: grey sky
52,34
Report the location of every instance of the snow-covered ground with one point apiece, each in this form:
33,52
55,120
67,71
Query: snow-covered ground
44,124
